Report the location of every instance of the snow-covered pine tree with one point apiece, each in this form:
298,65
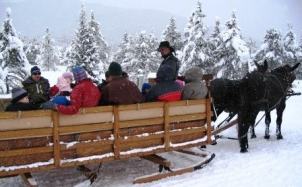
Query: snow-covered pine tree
235,53
14,64
84,50
125,51
195,43
142,57
32,49
172,35
48,59
215,41
103,47
290,46
299,56
271,49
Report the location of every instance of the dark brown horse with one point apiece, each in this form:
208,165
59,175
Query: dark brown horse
263,91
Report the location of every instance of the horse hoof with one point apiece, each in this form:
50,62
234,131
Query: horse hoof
243,150
279,137
253,136
266,136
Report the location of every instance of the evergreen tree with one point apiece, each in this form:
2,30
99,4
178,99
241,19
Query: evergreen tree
235,53
124,50
299,58
195,43
84,50
14,64
215,41
141,57
271,49
172,35
32,49
290,46
48,59
103,48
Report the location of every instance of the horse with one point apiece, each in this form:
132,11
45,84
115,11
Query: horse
263,91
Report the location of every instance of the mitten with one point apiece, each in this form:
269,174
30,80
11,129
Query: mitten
49,105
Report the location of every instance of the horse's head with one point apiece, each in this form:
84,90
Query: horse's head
285,73
262,68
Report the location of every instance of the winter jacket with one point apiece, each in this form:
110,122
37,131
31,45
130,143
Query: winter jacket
84,94
22,106
37,91
194,88
166,89
121,91
172,61
102,85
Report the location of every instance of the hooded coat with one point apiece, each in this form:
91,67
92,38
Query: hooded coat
194,88
166,89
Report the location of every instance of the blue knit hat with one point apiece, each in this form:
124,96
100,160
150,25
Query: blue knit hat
146,86
79,73
35,69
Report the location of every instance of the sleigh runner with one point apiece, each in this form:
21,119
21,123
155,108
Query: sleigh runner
34,141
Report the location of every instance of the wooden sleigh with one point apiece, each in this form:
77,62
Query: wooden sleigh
33,141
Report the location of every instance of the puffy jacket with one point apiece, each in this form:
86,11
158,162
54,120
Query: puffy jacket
121,91
84,94
166,89
63,85
38,92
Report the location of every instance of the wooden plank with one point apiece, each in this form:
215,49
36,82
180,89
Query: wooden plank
141,106
209,121
20,160
26,151
85,128
28,133
185,132
219,130
56,139
187,102
29,180
166,126
141,122
116,129
86,144
141,138
188,117
25,114
25,170
98,109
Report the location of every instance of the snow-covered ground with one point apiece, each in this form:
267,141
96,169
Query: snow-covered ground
269,163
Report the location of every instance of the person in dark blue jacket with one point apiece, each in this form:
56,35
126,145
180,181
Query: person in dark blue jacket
166,89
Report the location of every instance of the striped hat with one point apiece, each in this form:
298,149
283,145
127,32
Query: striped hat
79,73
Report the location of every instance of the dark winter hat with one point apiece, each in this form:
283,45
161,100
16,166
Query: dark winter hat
165,44
146,86
115,69
35,69
17,94
79,73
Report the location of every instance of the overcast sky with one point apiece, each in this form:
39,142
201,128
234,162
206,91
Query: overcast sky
254,16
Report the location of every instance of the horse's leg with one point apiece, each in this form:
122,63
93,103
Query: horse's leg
253,134
246,119
267,124
280,110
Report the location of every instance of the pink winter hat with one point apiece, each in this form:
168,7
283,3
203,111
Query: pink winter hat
67,75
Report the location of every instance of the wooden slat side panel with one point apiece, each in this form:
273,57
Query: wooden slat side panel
87,118
85,128
13,144
25,159
30,133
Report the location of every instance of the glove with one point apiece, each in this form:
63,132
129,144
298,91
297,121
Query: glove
49,105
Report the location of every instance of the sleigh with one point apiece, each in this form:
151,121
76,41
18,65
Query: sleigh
34,141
